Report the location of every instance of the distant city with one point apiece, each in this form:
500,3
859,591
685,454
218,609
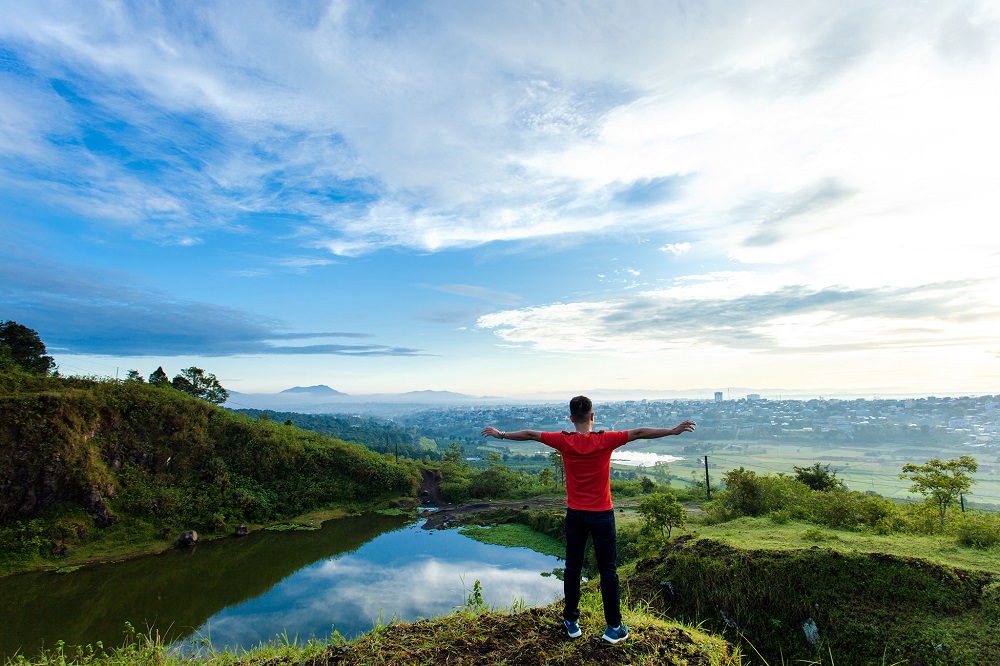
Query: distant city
971,421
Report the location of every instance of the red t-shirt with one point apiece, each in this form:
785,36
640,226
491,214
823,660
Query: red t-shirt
587,461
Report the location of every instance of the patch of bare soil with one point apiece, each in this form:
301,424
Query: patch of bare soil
429,492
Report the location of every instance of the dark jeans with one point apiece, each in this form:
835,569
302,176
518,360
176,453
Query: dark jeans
600,525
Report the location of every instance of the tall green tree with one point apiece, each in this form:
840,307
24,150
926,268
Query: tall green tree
158,377
941,483
25,348
200,384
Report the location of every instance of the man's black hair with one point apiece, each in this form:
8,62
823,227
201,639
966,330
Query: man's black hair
580,408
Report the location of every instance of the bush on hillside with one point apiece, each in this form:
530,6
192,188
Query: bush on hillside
852,510
494,482
977,530
748,494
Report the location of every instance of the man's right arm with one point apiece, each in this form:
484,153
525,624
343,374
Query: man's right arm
517,435
656,433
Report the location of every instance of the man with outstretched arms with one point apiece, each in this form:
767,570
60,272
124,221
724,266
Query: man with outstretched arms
587,460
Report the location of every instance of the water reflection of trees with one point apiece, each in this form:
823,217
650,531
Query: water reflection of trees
173,593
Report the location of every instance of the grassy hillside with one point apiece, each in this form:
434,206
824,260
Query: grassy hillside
865,607
124,463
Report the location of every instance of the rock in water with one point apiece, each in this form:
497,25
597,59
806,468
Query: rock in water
242,530
188,538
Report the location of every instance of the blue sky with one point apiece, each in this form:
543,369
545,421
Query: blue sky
507,198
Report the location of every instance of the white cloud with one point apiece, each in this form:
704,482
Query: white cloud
676,249
812,149
482,124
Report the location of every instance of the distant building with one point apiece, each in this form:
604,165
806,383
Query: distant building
718,396
753,396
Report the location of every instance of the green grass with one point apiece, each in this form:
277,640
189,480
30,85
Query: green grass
763,533
515,535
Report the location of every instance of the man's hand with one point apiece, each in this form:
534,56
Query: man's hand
685,426
490,431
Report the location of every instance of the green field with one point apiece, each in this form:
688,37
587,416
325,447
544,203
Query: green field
864,467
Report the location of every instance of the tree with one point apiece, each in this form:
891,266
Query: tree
158,378
818,478
25,348
941,482
195,381
557,464
453,454
661,472
545,476
661,511
134,376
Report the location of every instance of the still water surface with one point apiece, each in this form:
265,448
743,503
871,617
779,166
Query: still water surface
239,592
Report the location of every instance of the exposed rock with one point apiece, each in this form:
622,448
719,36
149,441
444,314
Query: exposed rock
669,593
97,508
188,538
242,530
59,549
811,631
81,533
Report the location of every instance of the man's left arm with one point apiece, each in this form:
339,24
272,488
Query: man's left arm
517,435
656,433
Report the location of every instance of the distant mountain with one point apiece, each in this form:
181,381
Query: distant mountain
433,396
321,389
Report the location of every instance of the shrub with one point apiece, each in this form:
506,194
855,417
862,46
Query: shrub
852,510
780,517
621,488
456,491
977,530
747,494
818,478
661,512
494,482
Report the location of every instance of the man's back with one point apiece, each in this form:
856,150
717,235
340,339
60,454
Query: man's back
587,461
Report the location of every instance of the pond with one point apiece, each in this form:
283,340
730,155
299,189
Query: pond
236,593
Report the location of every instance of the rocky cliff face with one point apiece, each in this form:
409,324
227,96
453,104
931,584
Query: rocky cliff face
49,456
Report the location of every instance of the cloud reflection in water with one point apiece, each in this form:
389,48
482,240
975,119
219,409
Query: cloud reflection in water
409,574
